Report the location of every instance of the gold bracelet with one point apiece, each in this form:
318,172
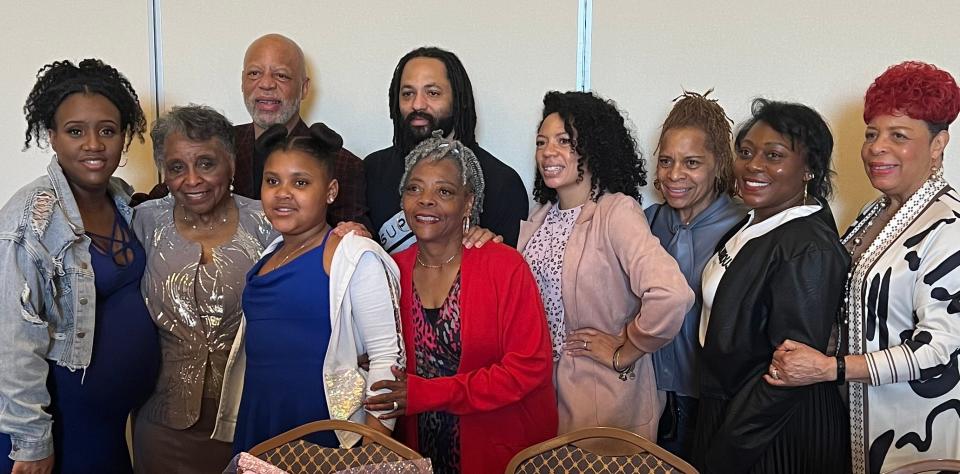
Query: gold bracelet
626,372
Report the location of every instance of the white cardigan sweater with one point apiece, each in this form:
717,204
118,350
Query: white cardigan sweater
364,318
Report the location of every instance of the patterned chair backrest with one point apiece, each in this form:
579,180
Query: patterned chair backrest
560,454
932,465
296,456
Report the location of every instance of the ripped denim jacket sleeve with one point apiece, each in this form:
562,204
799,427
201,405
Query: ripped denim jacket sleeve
24,341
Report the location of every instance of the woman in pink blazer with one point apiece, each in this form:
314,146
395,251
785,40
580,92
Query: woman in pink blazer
612,294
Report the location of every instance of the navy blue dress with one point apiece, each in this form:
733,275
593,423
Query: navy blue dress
287,333
90,408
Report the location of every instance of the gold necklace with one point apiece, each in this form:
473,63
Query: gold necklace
424,265
298,249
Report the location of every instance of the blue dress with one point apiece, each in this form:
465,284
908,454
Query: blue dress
287,315
90,407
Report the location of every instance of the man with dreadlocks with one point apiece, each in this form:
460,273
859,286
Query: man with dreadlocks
431,91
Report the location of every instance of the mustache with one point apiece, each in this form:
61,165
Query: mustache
421,115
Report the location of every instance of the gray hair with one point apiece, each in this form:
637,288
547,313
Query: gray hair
438,148
195,122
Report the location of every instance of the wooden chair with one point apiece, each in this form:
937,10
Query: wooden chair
930,465
568,454
294,455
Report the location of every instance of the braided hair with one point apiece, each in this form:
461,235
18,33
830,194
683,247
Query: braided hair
437,148
692,110
58,80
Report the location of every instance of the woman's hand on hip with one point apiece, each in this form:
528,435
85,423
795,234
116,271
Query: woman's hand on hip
592,343
43,466
395,399
796,364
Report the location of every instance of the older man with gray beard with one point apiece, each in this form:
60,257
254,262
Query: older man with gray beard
274,82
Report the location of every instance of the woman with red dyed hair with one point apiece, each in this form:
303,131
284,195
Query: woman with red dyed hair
900,324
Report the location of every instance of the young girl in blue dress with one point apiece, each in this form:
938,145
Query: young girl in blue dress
312,304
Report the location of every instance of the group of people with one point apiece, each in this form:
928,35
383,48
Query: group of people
242,297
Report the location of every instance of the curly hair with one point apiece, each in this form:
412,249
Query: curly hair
57,80
197,123
692,110
808,133
601,139
438,148
919,90
464,110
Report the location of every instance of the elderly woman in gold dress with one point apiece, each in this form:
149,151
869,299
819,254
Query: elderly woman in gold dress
200,242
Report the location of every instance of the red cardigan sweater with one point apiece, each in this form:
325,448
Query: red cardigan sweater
503,391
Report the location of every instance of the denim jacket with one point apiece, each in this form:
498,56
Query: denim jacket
47,302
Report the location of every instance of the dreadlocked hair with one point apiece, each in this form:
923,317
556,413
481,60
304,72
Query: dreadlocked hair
693,110
464,110
605,145
58,80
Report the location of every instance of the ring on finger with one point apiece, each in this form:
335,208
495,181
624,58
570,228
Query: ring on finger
396,406
775,374
586,345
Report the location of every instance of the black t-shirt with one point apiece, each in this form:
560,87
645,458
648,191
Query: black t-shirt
505,201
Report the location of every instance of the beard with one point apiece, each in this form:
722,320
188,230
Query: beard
411,136
265,120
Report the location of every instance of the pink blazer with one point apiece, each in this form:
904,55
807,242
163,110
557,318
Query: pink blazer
614,272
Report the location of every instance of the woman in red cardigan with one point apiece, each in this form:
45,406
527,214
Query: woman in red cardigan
478,386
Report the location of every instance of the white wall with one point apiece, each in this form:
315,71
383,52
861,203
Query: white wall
822,53
39,33
513,50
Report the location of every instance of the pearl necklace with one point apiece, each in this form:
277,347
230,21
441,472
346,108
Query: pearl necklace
192,222
425,265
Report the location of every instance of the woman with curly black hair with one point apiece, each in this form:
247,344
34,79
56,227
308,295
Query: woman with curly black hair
612,294
77,345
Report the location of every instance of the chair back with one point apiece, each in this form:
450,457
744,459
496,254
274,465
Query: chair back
562,454
296,456
930,465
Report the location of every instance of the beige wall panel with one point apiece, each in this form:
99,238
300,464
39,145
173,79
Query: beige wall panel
819,52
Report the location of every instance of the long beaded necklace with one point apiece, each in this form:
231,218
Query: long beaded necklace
853,302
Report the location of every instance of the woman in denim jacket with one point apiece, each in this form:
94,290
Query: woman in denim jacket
77,346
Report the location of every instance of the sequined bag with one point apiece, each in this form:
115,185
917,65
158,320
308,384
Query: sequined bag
409,466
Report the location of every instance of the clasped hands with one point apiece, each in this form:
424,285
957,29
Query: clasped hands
796,364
